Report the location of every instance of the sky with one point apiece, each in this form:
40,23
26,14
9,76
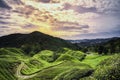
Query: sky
67,19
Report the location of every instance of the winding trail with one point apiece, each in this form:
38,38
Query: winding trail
28,76
20,75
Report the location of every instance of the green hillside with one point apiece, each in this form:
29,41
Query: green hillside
37,56
69,65
110,46
34,42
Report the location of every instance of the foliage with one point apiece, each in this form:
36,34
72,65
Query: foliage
65,57
94,59
108,69
74,74
34,42
7,70
67,66
46,55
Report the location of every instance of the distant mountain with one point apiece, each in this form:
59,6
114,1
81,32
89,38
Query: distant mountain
109,45
34,42
90,42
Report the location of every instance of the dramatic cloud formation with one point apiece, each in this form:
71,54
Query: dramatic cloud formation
3,4
68,19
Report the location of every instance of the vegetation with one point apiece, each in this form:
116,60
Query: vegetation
108,69
110,46
31,62
34,42
69,65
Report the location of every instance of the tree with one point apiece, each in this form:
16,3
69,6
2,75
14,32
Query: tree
105,51
112,48
100,49
85,49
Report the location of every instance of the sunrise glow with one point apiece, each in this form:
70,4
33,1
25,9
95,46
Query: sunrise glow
67,19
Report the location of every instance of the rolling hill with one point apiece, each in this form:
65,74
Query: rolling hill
53,59
34,42
109,45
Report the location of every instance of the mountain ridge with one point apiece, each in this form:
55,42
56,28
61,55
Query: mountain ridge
35,42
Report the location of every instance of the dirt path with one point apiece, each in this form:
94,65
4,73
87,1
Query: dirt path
22,77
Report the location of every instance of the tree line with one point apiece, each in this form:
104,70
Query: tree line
110,47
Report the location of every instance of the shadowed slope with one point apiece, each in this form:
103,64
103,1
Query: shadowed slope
34,42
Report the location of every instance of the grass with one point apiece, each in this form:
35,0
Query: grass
108,69
10,58
7,70
94,59
66,57
73,74
45,55
76,54
69,65
52,72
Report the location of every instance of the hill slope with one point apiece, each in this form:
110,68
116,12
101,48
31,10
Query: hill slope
110,45
65,64
34,42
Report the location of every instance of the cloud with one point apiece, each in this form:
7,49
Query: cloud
61,17
108,6
94,35
4,4
29,26
2,22
69,26
99,6
44,1
114,32
3,27
79,8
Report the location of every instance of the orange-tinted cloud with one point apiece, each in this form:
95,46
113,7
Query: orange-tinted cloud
60,18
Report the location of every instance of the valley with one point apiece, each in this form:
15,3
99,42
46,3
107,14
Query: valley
64,63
